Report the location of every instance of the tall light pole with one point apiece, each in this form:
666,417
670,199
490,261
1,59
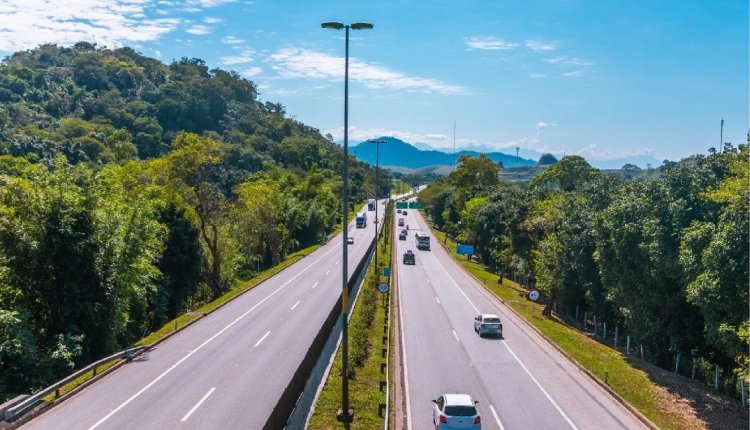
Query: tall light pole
377,143
345,415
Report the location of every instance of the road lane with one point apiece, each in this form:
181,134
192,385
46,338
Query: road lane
248,350
520,379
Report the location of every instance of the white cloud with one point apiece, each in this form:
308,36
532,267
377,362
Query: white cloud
211,20
244,57
251,71
301,63
575,73
208,3
157,53
537,75
489,43
538,46
572,61
198,30
593,152
231,40
113,23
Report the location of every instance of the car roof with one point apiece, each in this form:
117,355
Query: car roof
458,400
484,316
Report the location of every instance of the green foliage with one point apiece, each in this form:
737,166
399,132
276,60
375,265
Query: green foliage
131,191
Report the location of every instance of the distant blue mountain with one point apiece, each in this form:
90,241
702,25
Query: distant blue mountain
396,152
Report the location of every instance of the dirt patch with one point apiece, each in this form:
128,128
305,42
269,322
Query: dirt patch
695,405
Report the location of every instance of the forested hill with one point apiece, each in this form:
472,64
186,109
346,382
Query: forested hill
131,190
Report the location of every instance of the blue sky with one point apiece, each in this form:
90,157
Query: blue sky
603,79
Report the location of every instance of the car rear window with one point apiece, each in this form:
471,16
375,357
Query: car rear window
492,320
460,411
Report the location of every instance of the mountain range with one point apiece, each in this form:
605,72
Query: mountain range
397,153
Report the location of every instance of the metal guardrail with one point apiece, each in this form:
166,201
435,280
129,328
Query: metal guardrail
21,408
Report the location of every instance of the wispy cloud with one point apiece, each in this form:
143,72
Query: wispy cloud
211,20
537,75
572,61
231,40
251,72
27,24
489,43
538,46
244,57
208,3
301,63
198,30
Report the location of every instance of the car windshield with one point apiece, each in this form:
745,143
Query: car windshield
492,320
460,411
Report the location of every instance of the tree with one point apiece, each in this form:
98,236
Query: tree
570,174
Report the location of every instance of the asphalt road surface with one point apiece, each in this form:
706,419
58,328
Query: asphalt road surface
227,370
520,381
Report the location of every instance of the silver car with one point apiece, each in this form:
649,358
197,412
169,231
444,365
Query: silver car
455,411
488,324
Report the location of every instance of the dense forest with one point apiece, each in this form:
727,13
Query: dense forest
131,191
665,258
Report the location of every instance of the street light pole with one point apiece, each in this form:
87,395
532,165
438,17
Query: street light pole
345,415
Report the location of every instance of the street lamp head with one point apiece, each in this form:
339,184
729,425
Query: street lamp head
361,26
332,25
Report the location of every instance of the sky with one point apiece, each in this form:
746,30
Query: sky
604,79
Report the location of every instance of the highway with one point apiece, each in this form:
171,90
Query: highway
227,370
520,381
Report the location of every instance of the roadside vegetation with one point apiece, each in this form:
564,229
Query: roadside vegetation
664,259
132,192
365,359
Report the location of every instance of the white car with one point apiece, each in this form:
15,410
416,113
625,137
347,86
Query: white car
488,324
455,411
350,240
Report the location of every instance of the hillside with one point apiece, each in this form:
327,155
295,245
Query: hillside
133,191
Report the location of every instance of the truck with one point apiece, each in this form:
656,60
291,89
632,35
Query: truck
422,241
371,205
361,220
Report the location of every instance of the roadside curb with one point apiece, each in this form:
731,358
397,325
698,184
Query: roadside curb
580,367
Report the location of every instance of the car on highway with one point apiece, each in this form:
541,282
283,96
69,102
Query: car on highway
400,222
402,235
403,212
488,324
398,211
409,257
350,240
455,411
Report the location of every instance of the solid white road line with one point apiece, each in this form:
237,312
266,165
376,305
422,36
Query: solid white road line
262,338
403,348
206,342
497,419
315,285
203,399
295,305
456,336
546,394
437,300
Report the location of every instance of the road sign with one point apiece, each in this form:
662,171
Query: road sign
534,295
465,249
387,271
383,287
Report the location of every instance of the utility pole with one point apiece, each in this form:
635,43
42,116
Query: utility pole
721,138
454,143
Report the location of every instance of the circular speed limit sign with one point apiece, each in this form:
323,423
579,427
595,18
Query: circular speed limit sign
383,287
534,295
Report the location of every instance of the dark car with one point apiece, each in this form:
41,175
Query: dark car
409,258
402,235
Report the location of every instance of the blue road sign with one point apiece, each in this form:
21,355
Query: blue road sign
465,249
387,271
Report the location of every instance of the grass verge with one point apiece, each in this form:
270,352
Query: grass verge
631,383
366,342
